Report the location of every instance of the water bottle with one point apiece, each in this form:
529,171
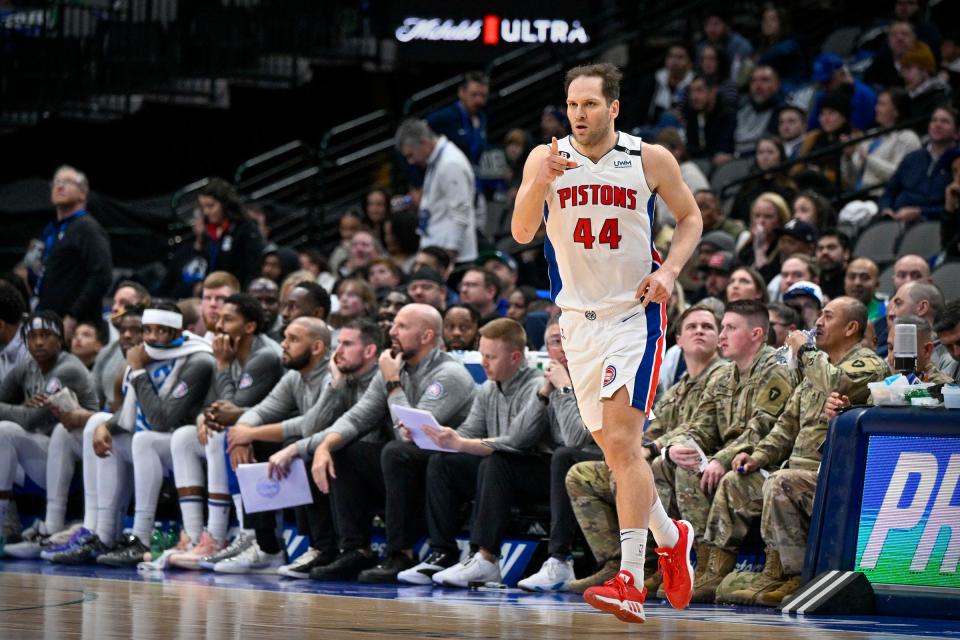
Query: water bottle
784,356
157,541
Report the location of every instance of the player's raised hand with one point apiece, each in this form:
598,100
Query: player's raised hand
554,164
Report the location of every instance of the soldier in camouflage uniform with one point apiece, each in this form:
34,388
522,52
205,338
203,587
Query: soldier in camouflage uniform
589,484
786,498
750,392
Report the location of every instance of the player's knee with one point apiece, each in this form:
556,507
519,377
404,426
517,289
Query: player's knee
8,431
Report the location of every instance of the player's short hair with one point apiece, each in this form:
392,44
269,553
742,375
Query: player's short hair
753,311
948,318
489,279
509,331
142,294
317,294
699,307
608,73
317,329
218,279
474,314
929,292
249,307
369,331
787,313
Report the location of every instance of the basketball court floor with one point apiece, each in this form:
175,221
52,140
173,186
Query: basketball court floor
39,600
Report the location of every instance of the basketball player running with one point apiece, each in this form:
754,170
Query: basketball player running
595,192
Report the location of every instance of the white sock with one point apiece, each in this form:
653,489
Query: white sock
56,517
664,531
191,510
633,546
238,505
218,520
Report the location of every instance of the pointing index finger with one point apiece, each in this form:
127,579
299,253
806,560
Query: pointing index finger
554,149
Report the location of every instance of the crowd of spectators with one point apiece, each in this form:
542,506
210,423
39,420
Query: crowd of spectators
272,353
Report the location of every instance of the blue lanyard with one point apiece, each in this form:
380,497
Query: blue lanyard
56,230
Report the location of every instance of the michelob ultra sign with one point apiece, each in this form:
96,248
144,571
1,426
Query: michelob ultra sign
909,530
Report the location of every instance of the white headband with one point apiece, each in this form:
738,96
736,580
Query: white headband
42,324
163,318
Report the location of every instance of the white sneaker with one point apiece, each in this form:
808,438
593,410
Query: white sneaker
422,573
253,560
553,576
34,540
241,542
475,569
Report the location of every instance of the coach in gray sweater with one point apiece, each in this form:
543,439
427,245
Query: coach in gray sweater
413,373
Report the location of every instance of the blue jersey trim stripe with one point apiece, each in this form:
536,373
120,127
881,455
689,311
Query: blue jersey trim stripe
553,268
644,384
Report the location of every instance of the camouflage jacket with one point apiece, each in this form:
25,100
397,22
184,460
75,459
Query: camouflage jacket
934,375
678,405
802,428
733,404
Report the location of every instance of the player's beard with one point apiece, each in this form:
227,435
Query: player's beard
595,135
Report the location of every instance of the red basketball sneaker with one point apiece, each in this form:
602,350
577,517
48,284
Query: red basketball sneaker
676,568
619,596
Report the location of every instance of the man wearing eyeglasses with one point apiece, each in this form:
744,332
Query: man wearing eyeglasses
77,267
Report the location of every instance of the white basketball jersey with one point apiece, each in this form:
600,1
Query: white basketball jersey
599,219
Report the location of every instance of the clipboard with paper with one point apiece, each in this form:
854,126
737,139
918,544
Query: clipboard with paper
415,420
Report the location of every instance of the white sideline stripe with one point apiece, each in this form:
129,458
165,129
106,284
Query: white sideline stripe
809,592
834,588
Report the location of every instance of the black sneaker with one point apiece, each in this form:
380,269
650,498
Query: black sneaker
301,567
387,571
83,552
346,567
128,553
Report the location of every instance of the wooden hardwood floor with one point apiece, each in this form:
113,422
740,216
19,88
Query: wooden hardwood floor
55,607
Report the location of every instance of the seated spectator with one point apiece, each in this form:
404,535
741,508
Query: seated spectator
713,218
947,326
267,293
480,289
690,173
950,221
278,263
435,258
426,286
798,267
89,338
834,77
232,241
833,254
717,31
518,304
350,222
13,349
769,155
884,68
756,115
376,213
711,243
364,249
812,208
401,239
927,370
387,311
504,267
862,283
768,213
553,124
746,284
926,90
910,268
917,189
871,163
792,129
717,276
357,300
217,287
778,49
925,300
950,60
806,299
192,319
710,123
306,299
713,63
461,328
661,92
834,118
384,274
783,320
